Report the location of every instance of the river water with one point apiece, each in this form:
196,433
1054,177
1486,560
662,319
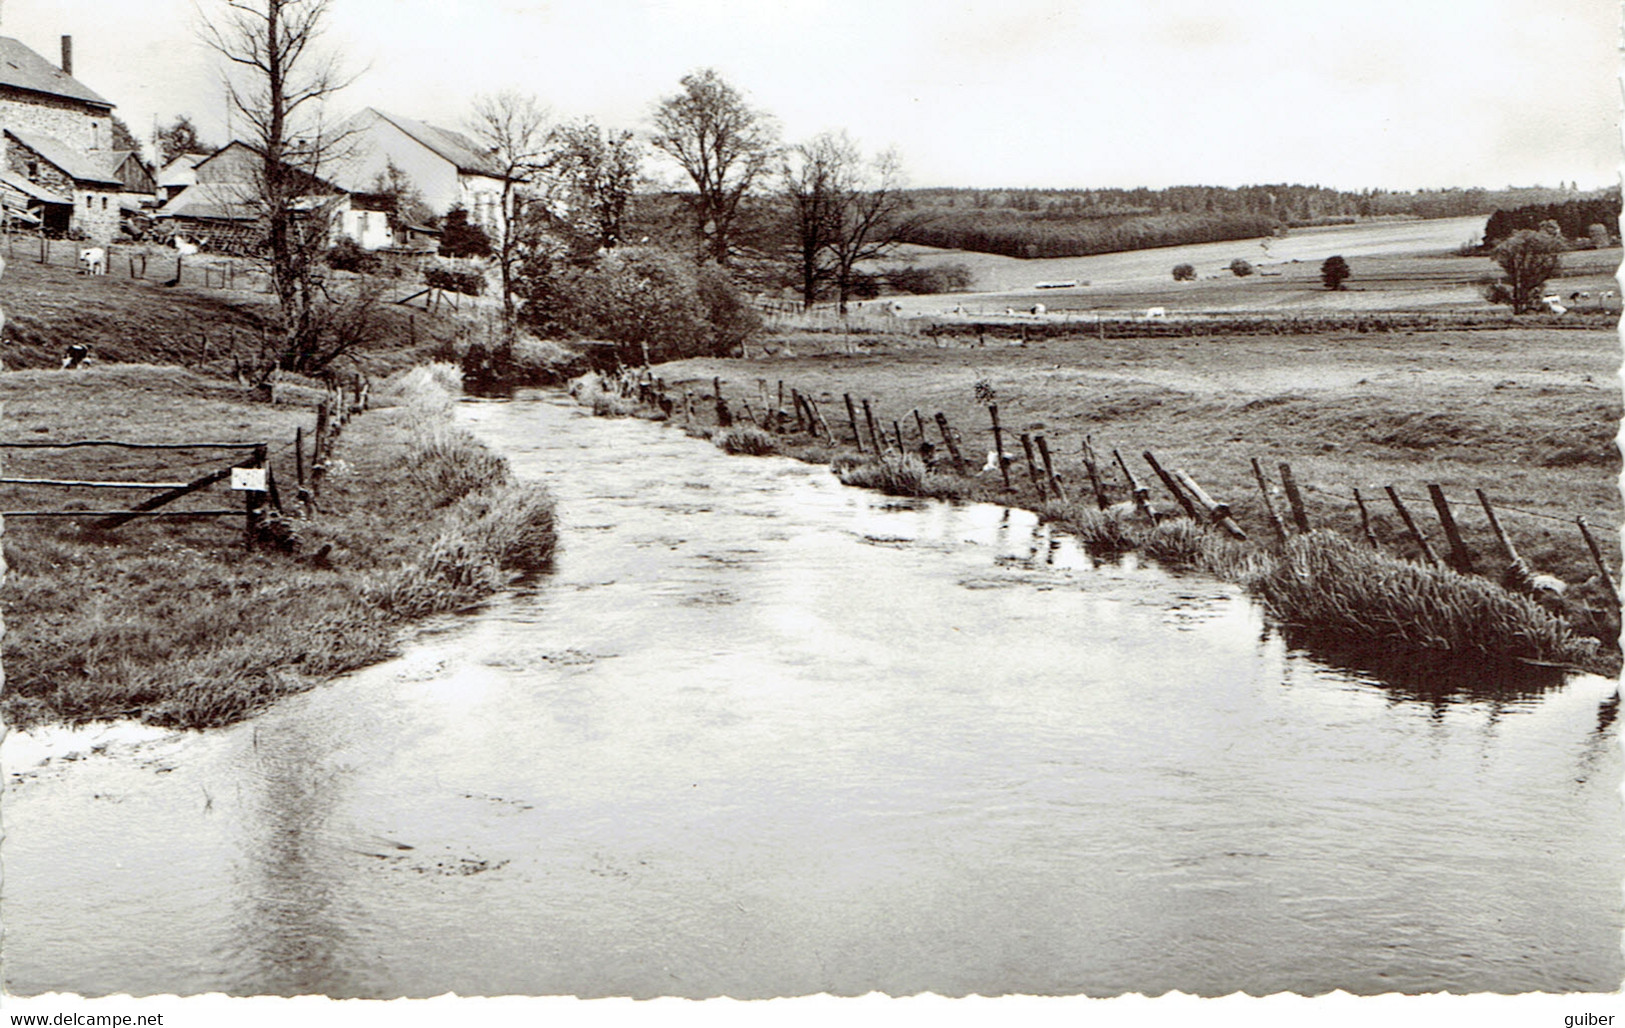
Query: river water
760,734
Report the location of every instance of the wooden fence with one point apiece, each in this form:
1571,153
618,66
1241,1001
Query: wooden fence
798,413
251,473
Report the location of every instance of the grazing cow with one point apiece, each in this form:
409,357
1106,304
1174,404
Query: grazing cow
993,460
93,261
1153,313
185,247
1606,294
1554,304
1038,308
77,352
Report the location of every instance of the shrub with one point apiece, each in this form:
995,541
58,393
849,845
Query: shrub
348,255
458,238
1241,268
1334,271
745,439
1184,273
942,278
902,476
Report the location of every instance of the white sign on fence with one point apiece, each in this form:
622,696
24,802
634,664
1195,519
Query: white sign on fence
249,479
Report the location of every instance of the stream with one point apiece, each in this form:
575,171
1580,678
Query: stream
760,734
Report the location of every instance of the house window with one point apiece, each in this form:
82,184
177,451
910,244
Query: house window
104,203
33,171
89,201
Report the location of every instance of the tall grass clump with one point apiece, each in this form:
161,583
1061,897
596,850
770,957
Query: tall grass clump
1335,591
902,476
745,439
492,537
589,391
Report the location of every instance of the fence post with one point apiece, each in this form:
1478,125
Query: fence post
852,419
1171,485
919,422
818,415
1460,557
1365,518
1293,497
1049,469
948,441
254,499
724,419
1217,512
874,436
1269,504
1596,555
998,445
1093,469
898,429
1410,525
1032,469
1142,495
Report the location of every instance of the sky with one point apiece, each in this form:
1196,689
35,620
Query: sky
1018,93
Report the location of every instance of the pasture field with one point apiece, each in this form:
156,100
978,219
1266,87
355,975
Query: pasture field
1529,415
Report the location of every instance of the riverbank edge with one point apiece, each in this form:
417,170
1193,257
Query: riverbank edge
420,519
1317,585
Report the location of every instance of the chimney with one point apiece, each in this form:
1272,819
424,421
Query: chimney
67,55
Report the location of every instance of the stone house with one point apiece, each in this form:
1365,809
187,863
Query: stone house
446,167
47,163
56,123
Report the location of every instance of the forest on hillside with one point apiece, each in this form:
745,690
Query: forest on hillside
1081,222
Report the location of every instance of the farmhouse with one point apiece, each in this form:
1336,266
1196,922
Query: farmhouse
447,168
178,174
57,132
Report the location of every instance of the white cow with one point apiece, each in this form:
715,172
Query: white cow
1153,313
184,246
93,261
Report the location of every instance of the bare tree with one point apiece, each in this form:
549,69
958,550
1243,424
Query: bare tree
723,144
867,211
600,170
277,81
808,178
514,128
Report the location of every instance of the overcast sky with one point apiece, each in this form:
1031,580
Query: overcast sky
1397,94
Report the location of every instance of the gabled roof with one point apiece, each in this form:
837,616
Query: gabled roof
110,160
32,190
221,201
22,68
455,147
79,166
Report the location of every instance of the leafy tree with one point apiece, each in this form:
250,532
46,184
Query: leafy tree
1184,273
406,203
177,138
1241,268
461,238
600,172
1599,236
722,143
641,296
123,138
1334,271
514,129
1528,258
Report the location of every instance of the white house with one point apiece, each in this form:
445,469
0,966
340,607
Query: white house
446,167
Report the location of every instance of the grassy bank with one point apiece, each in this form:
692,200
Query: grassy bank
175,622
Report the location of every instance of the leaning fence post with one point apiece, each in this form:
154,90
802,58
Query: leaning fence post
1460,557
1365,519
1142,495
874,436
1269,504
829,433
919,423
1294,498
1410,525
1172,486
898,429
1093,469
1032,468
1217,512
998,444
1518,573
1596,555
852,419
948,441
1049,468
